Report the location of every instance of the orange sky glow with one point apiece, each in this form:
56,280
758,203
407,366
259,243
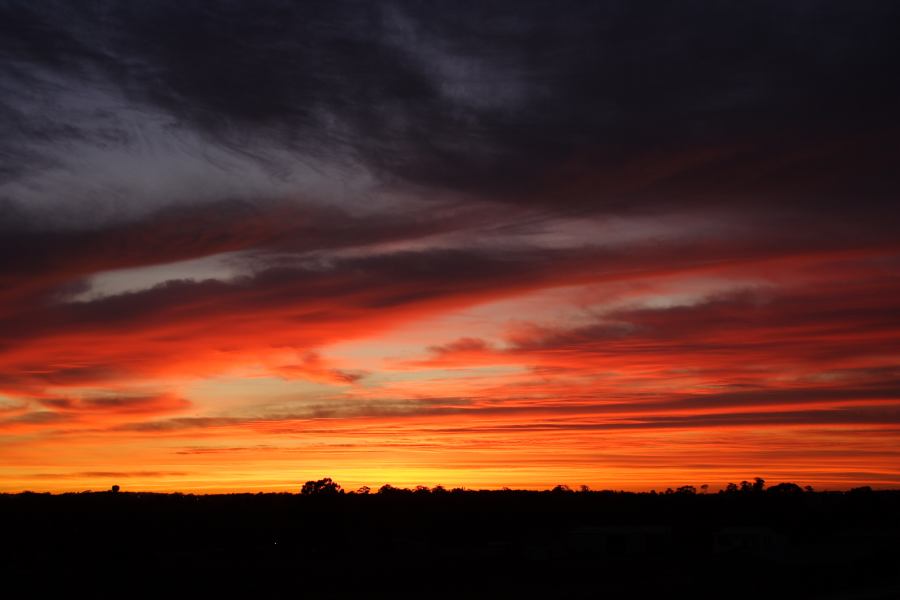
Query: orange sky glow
591,374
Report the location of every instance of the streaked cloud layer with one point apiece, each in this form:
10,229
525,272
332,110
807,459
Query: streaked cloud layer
629,245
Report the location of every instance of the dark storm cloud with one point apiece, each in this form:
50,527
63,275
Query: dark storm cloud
612,105
183,232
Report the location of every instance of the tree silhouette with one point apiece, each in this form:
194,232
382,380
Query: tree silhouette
758,485
786,488
322,487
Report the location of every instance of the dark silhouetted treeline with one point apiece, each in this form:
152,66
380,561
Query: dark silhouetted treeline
750,541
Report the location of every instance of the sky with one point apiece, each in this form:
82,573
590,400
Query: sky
631,245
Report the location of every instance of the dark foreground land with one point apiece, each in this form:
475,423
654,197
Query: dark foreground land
457,544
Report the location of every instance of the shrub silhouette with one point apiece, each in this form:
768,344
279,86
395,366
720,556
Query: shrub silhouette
786,488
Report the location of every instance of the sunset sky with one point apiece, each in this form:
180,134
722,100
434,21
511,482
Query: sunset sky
626,244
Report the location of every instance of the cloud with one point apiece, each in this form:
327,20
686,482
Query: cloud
73,413
817,323
313,367
117,404
178,424
599,107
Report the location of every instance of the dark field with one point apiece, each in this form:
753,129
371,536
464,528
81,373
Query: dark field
456,544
